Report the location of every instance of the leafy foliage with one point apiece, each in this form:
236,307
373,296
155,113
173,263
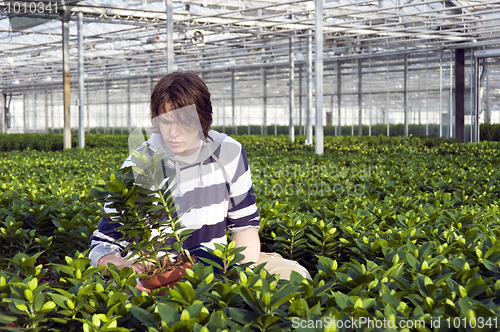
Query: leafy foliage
389,228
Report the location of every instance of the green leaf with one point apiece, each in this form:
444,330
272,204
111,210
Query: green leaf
6,319
186,291
143,316
115,186
343,301
216,322
242,316
168,314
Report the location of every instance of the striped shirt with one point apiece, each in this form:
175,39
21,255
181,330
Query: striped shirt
213,193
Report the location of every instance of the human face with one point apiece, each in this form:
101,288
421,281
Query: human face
179,139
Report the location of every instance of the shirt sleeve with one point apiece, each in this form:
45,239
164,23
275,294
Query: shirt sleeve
105,238
242,212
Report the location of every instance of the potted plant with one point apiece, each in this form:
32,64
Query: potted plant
144,207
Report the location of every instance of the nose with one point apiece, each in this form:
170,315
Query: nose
173,130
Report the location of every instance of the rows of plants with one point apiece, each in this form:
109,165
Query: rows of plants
488,132
391,229
54,142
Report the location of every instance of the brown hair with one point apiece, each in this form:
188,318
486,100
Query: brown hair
181,89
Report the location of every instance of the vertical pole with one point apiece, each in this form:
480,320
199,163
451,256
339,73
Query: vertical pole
331,114
370,96
170,36
406,95
471,86
450,109
66,83
352,99
129,107
34,107
427,93
487,97
224,101
309,88
360,98
52,106
387,98
249,84
25,117
339,96
441,95
88,109
459,94
81,87
4,113
275,89
46,111
107,107
233,107
319,76
419,100
291,129
264,99
477,106
300,100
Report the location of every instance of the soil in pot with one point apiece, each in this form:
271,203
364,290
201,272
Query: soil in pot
169,275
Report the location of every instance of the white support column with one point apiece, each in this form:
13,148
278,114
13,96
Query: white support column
441,95
129,108
427,94
275,90
450,103
487,109
264,100
107,106
405,93
319,76
291,129
52,107
66,82
388,105
224,102
360,97
81,86
419,100
300,99
477,97
88,109
370,96
46,111
478,109
25,117
309,89
2,114
339,96
249,84
233,105
170,36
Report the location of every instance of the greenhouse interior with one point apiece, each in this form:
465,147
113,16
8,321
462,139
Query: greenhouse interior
422,62
350,181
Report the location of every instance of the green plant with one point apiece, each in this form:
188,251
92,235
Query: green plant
146,213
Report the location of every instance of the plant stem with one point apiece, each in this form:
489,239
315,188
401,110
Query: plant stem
172,225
